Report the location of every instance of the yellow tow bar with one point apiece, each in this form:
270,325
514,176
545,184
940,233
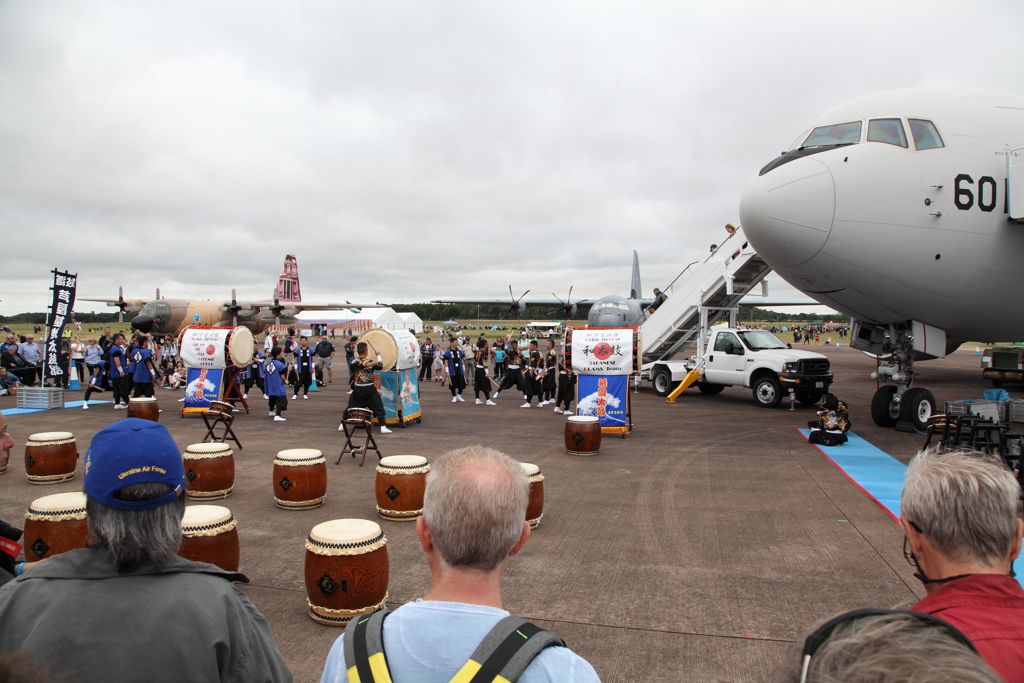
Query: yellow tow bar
691,377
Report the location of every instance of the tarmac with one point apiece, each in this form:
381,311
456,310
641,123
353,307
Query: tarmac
698,548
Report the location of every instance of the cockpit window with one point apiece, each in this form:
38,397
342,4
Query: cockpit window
612,304
834,134
926,136
889,131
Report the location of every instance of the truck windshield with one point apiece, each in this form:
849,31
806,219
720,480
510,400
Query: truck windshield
757,340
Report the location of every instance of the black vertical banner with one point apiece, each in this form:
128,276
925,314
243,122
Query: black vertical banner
64,285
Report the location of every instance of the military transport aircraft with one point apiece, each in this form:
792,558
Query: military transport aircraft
904,210
612,310
171,316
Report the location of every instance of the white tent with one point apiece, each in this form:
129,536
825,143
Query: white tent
384,318
412,322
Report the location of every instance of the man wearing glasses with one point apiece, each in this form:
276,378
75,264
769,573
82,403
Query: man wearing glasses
959,514
29,352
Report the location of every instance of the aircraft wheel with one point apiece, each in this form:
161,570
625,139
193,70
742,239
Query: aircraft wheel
883,412
767,392
811,398
917,406
708,388
662,381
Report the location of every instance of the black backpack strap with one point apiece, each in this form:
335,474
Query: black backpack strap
365,660
505,652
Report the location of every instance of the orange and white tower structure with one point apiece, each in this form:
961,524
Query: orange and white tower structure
288,282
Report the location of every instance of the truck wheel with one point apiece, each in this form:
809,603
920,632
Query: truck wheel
767,392
708,388
810,399
662,381
917,406
997,383
883,412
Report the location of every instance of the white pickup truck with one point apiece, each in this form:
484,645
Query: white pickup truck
751,358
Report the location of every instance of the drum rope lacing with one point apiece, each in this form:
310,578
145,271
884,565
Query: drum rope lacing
345,546
199,455
325,613
220,527
50,442
305,461
55,515
404,469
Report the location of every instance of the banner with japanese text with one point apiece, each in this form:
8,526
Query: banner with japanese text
204,348
202,385
64,286
400,393
604,397
607,351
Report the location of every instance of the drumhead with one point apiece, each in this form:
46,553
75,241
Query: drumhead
300,455
401,461
200,517
582,418
383,342
529,468
58,503
240,346
345,532
142,399
51,437
207,450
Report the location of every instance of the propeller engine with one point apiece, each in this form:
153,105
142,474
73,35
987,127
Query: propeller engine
567,306
516,307
233,309
121,304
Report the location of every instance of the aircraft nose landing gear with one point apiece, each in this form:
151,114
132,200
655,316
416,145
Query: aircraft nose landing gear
897,404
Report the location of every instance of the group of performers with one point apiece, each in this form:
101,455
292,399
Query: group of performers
534,373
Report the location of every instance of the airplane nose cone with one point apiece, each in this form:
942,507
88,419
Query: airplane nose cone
142,323
787,212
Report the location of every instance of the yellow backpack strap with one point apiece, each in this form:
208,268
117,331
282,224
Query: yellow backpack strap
365,661
505,652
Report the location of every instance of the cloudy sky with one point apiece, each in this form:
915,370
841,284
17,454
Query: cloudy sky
406,151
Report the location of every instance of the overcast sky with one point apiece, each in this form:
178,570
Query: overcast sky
412,151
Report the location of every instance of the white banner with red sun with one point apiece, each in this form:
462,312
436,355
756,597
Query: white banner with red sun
600,351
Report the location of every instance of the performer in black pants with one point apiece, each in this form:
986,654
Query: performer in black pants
481,381
427,351
550,381
254,371
513,361
455,370
566,387
534,375
364,393
304,368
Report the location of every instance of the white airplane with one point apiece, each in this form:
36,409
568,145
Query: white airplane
903,209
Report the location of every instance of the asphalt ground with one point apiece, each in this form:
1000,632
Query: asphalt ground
698,548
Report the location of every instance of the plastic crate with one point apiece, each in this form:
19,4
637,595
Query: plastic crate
40,398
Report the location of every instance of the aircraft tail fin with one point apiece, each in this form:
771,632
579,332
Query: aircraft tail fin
635,290
288,281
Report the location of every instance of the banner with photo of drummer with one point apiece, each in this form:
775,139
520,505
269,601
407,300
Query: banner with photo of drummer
400,393
202,386
603,360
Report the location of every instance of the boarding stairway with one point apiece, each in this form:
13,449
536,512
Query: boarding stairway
700,296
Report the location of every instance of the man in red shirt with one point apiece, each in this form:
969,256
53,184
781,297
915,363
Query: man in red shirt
959,513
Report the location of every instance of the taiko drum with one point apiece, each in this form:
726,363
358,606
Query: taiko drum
346,570
144,408
55,524
535,508
582,435
300,479
209,534
51,457
401,480
209,471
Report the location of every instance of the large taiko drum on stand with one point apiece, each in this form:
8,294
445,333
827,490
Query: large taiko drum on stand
535,508
144,408
398,349
346,570
55,524
401,480
209,471
209,534
51,457
582,435
300,479
215,347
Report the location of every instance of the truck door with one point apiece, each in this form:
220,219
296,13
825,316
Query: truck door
725,360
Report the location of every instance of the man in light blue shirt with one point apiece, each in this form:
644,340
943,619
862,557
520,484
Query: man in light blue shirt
474,513
29,350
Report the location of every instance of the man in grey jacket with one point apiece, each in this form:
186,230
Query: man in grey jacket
128,608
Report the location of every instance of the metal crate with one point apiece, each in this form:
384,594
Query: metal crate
957,408
994,410
1016,410
40,398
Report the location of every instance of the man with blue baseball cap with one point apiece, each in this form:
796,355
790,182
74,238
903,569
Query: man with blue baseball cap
128,608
